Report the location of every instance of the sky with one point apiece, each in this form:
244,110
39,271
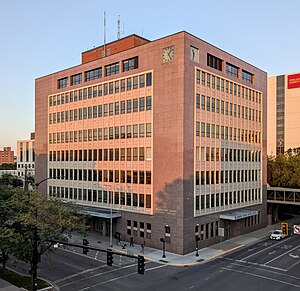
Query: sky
39,37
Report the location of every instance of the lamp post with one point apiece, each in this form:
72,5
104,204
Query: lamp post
110,199
111,220
197,238
164,247
35,252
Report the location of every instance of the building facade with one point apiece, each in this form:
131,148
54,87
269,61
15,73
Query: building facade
26,157
7,156
283,113
168,137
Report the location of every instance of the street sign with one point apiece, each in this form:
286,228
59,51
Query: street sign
296,229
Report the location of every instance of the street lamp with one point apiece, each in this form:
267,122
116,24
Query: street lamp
110,199
35,253
197,239
164,247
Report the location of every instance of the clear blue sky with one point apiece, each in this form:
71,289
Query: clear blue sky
40,37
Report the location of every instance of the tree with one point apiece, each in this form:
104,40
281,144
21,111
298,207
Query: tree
30,219
284,170
10,180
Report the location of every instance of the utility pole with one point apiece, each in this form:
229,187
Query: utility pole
26,180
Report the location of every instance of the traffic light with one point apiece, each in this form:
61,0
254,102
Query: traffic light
285,228
110,258
141,265
197,238
85,242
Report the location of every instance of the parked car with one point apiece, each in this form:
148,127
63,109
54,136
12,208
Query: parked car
276,234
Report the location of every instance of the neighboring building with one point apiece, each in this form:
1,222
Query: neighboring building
11,172
283,113
170,134
25,157
7,156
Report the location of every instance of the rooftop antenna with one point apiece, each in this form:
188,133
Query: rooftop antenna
104,34
119,30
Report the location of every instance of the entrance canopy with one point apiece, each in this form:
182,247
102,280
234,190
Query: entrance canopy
238,214
102,213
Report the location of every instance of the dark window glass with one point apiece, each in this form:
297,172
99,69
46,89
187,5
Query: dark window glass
130,64
93,74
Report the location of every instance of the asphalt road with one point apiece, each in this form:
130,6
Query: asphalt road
267,265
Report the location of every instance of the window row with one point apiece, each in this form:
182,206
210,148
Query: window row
115,154
138,229
227,133
117,132
232,70
109,109
130,83
207,230
214,82
211,154
102,196
111,69
224,177
215,105
117,176
227,198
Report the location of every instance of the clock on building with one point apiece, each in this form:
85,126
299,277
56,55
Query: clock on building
168,54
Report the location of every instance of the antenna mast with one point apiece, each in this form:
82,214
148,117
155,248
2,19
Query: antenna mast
104,34
119,29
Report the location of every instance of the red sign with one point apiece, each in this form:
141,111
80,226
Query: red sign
296,229
293,81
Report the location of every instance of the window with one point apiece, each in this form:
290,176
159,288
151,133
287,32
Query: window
148,103
247,77
148,79
76,79
93,74
232,70
63,83
112,69
130,64
214,62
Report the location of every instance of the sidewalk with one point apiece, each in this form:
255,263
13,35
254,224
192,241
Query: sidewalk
173,259
5,286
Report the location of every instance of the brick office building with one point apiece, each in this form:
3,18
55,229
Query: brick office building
169,134
283,113
7,156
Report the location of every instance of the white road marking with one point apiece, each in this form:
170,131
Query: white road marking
263,277
96,275
257,264
267,270
121,277
77,274
281,255
263,250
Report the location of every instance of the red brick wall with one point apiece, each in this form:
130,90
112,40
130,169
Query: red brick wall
113,48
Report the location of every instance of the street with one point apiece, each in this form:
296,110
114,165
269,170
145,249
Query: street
266,265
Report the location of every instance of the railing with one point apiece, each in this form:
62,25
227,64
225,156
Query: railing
283,195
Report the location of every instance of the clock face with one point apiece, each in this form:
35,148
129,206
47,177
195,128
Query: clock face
168,54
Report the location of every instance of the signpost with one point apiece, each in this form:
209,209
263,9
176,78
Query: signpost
296,229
